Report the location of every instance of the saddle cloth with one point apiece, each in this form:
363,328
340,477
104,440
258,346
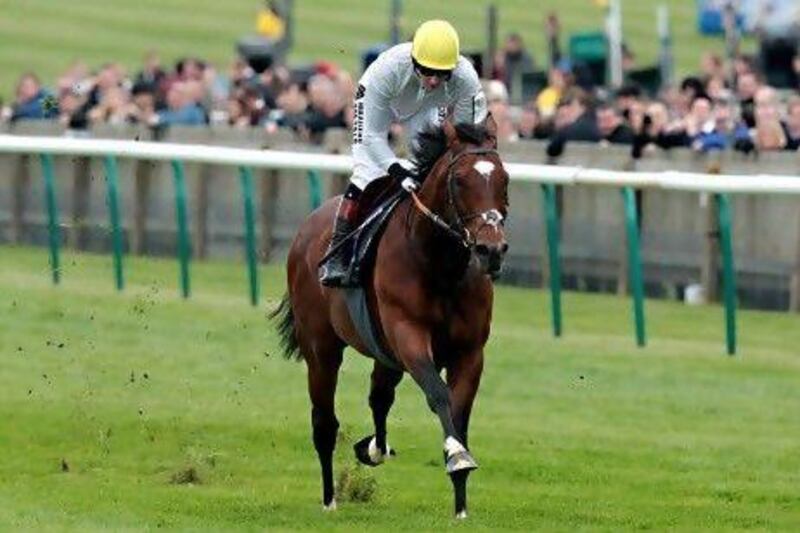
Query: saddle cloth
378,202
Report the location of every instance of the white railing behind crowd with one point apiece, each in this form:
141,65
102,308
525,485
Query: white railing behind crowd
277,159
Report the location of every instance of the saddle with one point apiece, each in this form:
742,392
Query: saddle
375,207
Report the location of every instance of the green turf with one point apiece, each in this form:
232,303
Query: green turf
130,390
46,35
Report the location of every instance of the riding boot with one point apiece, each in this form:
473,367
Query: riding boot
335,271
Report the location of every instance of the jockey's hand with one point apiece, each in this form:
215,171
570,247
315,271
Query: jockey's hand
410,184
401,174
398,172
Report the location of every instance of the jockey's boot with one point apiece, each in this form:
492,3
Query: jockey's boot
336,269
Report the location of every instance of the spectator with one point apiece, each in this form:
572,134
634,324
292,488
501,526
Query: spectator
707,126
552,28
501,112
611,127
558,81
113,108
516,62
531,125
574,121
792,124
658,131
628,96
71,112
769,131
269,22
152,76
495,91
240,73
712,66
143,108
326,107
182,107
76,79
33,102
746,86
717,90
691,88
292,106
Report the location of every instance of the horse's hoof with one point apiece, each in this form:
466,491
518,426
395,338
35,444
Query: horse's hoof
461,462
368,453
457,458
329,507
461,515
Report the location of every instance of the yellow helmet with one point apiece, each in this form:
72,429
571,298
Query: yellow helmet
435,45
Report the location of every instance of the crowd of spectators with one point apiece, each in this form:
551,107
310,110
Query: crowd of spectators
192,93
725,106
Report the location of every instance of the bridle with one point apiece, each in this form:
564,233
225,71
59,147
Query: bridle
458,230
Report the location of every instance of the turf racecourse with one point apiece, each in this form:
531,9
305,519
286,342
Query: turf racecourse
142,411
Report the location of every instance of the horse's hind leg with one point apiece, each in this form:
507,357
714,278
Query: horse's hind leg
323,372
373,450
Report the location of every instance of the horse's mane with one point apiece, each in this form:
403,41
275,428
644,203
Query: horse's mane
431,144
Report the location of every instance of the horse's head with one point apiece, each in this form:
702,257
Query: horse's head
473,185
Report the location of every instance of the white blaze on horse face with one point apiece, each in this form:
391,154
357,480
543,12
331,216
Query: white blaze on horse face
485,168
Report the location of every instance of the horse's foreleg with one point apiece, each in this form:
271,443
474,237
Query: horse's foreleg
373,450
463,379
322,378
416,354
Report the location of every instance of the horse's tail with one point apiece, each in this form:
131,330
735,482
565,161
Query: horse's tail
283,313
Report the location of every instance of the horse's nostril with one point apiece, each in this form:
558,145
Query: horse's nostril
482,249
504,248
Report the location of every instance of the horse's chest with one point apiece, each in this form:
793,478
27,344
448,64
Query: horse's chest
461,326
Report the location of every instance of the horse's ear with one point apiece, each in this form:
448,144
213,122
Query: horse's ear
491,129
450,133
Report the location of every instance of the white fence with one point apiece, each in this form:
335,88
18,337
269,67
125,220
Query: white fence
276,159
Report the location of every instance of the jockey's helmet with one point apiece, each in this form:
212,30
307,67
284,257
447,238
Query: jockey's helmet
435,45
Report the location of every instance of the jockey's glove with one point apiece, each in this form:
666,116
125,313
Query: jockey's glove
410,184
406,178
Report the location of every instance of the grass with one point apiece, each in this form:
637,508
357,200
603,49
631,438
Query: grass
45,36
139,410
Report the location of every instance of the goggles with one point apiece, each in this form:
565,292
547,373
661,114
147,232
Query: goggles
443,75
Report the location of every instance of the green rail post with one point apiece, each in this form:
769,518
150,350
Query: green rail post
635,264
184,250
551,223
728,276
246,178
110,164
53,232
314,189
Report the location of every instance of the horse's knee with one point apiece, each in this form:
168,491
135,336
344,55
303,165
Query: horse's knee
438,398
325,426
435,391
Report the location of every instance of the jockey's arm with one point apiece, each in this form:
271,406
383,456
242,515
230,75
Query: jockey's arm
372,155
470,103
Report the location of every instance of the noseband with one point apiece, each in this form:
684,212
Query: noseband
458,230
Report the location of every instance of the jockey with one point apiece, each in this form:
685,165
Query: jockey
416,84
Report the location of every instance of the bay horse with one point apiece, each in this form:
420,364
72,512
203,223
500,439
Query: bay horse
430,293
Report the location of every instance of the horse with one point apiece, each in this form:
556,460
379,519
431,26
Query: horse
430,292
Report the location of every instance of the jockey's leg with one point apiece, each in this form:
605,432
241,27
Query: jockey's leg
334,271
